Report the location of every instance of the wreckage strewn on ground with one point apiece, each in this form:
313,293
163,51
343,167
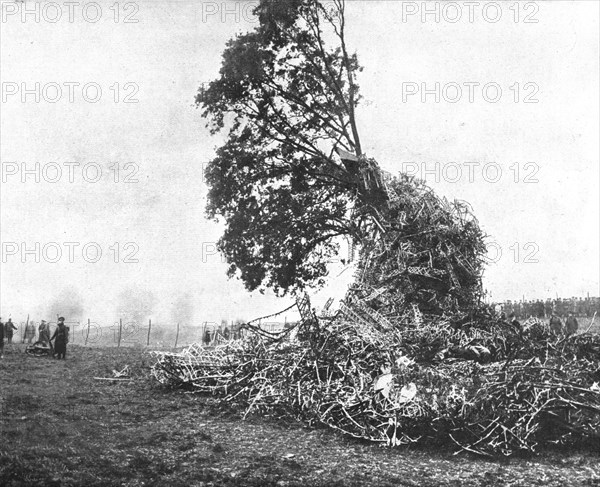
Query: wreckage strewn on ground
492,390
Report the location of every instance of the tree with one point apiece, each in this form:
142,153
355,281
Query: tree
278,182
292,177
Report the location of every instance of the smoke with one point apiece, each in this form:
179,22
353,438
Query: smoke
68,304
183,309
135,305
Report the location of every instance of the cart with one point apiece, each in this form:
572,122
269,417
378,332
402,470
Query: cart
40,348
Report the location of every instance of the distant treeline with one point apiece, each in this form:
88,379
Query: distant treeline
581,307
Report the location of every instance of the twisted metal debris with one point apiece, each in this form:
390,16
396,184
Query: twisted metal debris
489,390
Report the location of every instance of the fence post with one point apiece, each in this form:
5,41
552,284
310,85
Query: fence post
149,328
177,335
25,330
120,327
88,333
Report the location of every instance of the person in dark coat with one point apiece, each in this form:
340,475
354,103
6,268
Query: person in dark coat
29,332
9,328
44,332
1,339
207,338
61,337
571,324
556,324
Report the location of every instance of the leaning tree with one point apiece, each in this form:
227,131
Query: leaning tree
292,178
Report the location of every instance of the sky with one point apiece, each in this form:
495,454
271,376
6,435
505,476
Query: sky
495,104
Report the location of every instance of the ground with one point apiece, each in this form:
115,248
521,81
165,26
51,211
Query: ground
60,427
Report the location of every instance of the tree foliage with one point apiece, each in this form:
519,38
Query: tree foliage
287,100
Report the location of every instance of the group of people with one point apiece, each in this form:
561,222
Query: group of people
60,336
209,335
30,332
567,328
6,330
224,331
578,307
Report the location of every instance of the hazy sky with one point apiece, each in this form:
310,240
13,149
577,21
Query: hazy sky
525,157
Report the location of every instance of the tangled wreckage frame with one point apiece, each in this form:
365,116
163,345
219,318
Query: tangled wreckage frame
488,389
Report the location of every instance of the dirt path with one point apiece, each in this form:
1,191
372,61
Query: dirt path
59,426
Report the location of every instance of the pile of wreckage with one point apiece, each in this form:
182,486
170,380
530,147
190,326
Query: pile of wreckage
492,389
412,355
429,251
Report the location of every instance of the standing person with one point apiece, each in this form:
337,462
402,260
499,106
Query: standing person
556,324
9,328
61,337
1,339
571,324
44,332
539,308
30,332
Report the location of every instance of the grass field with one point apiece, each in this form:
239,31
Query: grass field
584,324
61,427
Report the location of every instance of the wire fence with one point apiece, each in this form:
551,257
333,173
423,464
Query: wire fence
123,333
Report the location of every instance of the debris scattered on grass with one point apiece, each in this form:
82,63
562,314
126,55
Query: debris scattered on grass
121,373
